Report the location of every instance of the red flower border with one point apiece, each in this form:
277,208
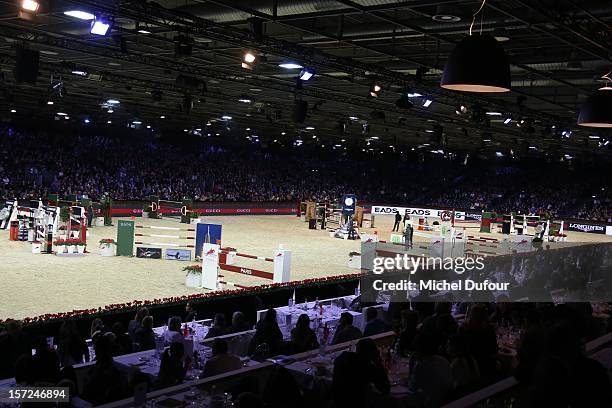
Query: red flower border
124,307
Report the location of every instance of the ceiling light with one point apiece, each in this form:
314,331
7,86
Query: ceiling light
144,32
309,128
137,122
248,60
413,94
499,154
283,133
81,73
110,110
148,126
113,101
225,117
49,102
461,109
86,121
494,113
247,129
507,121
100,26
500,34
13,111
593,137
66,117
446,14
30,6
306,74
597,109
162,117
61,114
290,65
109,121
353,118
427,102
81,15
375,90
477,64
244,99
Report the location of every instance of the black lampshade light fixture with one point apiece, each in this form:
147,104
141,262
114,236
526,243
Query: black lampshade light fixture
596,111
477,64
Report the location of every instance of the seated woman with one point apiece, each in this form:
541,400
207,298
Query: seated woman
144,337
218,327
303,338
173,366
173,334
267,332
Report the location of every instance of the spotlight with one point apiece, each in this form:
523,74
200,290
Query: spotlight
101,26
49,102
507,121
79,73
290,65
113,101
245,99
427,102
226,117
80,14
375,90
306,74
248,60
30,6
461,109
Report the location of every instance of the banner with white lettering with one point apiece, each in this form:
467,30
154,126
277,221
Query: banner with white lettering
415,211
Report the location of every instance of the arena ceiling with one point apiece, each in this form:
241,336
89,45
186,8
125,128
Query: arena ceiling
558,50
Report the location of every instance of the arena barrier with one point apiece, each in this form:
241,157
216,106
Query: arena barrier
215,258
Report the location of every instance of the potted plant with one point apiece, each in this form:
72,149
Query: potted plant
71,245
194,217
64,214
80,246
60,246
193,278
107,247
354,260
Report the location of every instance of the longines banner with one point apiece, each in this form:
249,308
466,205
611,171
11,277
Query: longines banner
134,208
583,227
414,211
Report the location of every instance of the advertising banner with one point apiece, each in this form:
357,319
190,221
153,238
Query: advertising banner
414,211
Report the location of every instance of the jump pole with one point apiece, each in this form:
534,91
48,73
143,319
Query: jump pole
211,265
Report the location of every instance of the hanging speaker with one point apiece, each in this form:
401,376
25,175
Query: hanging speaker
299,111
26,65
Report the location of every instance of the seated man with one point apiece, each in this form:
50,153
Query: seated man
221,361
345,330
374,325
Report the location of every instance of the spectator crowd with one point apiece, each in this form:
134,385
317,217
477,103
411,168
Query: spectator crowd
35,164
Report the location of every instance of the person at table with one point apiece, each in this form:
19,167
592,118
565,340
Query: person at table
173,334
45,364
123,342
221,361
103,380
97,328
218,327
481,339
345,330
408,330
144,338
374,325
373,366
466,375
192,314
430,376
14,343
441,324
173,367
267,332
71,347
303,338
239,323
136,323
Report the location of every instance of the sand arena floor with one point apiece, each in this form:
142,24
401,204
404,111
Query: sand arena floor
32,285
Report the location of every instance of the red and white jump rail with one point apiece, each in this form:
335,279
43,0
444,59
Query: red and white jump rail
170,236
214,258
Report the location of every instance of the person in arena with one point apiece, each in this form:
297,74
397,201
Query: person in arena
398,220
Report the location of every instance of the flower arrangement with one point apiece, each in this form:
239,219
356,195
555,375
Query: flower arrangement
107,241
60,242
353,253
75,242
195,269
220,294
228,249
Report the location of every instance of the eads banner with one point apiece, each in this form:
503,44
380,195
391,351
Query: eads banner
422,212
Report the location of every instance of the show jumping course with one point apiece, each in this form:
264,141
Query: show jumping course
32,285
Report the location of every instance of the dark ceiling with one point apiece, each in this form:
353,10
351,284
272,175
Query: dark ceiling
558,50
